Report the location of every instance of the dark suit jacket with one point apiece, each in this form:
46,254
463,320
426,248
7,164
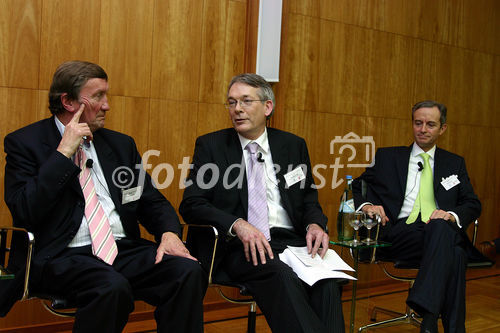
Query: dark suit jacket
386,184
44,196
220,206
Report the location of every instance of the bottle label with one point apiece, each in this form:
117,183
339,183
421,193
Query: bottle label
347,206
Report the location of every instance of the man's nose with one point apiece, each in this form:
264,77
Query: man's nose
105,105
238,107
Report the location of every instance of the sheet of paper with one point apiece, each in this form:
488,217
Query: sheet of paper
314,273
331,260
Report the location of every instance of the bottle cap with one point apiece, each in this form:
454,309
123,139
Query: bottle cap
348,177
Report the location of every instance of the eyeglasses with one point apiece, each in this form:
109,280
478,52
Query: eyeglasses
244,103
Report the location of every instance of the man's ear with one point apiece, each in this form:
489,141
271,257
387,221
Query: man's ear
443,128
269,107
69,104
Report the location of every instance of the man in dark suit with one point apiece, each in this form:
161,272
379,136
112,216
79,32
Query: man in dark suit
88,245
426,201
259,194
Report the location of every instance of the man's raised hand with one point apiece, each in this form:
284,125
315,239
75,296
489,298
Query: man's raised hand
73,134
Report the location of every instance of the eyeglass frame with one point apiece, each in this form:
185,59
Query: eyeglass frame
244,103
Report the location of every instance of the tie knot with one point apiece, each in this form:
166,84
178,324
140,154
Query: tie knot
252,147
425,156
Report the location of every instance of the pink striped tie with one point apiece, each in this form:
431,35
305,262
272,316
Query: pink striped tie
257,200
103,242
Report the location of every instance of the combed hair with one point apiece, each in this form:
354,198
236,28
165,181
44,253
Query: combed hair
430,104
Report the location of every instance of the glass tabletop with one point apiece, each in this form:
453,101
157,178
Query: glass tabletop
5,275
359,245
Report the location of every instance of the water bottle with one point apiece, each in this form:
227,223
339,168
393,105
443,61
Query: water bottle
344,230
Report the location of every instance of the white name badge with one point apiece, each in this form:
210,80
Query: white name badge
294,176
131,194
450,182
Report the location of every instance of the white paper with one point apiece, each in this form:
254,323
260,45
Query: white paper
311,270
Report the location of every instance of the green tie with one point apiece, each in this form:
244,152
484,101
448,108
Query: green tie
425,203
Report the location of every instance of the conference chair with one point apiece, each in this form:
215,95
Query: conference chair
407,271
16,250
196,235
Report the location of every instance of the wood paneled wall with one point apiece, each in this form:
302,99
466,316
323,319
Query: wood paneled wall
346,65
355,65
359,66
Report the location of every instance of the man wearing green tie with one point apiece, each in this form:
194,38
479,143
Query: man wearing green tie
426,201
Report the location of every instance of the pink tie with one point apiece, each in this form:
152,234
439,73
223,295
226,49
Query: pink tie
257,200
103,242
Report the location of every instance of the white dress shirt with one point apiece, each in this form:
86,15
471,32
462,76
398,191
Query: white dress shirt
82,236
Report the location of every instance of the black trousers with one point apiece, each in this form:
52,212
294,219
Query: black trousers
105,294
439,247
288,304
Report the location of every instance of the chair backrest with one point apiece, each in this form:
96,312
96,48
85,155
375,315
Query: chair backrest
16,248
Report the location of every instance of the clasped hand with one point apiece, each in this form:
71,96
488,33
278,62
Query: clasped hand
436,214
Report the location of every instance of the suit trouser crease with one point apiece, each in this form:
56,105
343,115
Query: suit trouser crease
439,287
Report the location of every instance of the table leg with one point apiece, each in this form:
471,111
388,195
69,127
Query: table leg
354,289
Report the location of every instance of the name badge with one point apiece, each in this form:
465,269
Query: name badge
450,182
131,194
294,176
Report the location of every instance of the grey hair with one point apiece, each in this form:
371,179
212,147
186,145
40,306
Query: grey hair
430,104
265,91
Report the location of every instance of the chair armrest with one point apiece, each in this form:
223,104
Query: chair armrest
4,248
187,237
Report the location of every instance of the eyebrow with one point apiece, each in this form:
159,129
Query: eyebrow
244,96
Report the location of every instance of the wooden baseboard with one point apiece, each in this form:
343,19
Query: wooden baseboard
213,311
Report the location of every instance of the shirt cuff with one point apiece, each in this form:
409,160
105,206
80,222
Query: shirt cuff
307,228
230,231
457,220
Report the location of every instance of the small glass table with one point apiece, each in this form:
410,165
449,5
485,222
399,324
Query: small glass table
355,255
5,275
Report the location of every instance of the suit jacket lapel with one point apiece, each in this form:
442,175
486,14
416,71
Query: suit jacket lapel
402,167
280,157
438,169
108,163
234,155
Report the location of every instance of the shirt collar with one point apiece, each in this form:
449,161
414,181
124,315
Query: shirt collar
59,125
261,141
416,150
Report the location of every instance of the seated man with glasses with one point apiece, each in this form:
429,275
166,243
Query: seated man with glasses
259,209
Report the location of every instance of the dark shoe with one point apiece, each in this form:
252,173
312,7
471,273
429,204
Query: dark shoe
488,249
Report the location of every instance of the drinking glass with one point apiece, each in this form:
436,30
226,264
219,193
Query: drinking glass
355,221
369,222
